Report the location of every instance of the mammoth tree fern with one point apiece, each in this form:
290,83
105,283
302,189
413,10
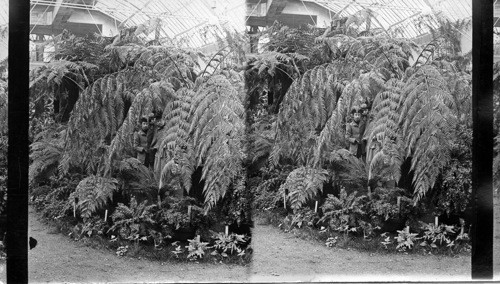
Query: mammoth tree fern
416,119
415,110
217,130
204,127
146,86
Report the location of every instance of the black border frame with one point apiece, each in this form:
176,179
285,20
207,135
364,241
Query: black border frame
18,161
482,139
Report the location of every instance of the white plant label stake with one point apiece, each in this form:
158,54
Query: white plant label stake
227,230
74,209
106,215
284,200
436,221
399,204
189,212
316,207
407,229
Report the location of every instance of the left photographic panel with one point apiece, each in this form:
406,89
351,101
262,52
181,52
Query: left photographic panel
4,39
137,141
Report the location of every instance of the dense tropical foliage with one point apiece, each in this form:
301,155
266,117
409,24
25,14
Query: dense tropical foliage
303,85
84,109
284,130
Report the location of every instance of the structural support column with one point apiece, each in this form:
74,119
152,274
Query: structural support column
254,39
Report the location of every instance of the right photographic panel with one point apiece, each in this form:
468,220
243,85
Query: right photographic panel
359,121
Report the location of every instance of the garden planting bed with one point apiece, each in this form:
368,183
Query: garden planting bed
60,258
280,256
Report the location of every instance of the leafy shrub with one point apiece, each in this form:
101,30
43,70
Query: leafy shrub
383,205
368,229
94,226
265,197
228,244
178,249
196,248
434,234
122,250
138,181
406,240
52,198
441,239
344,212
301,218
235,206
173,215
133,222
265,188
331,241
453,192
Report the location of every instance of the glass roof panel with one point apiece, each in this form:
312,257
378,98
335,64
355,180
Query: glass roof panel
401,14
196,23
186,21
180,19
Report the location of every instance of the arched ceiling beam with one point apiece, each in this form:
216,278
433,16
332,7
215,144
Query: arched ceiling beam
135,13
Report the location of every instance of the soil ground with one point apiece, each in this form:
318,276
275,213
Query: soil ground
60,259
278,257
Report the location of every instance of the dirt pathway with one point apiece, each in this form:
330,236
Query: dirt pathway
277,257
283,257
58,258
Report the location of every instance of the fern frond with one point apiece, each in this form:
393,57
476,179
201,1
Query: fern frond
217,129
93,193
177,172
386,163
427,122
45,155
309,107
349,168
155,96
303,184
52,74
386,110
333,131
175,133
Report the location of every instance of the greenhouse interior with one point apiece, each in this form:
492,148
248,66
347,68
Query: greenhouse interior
258,140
